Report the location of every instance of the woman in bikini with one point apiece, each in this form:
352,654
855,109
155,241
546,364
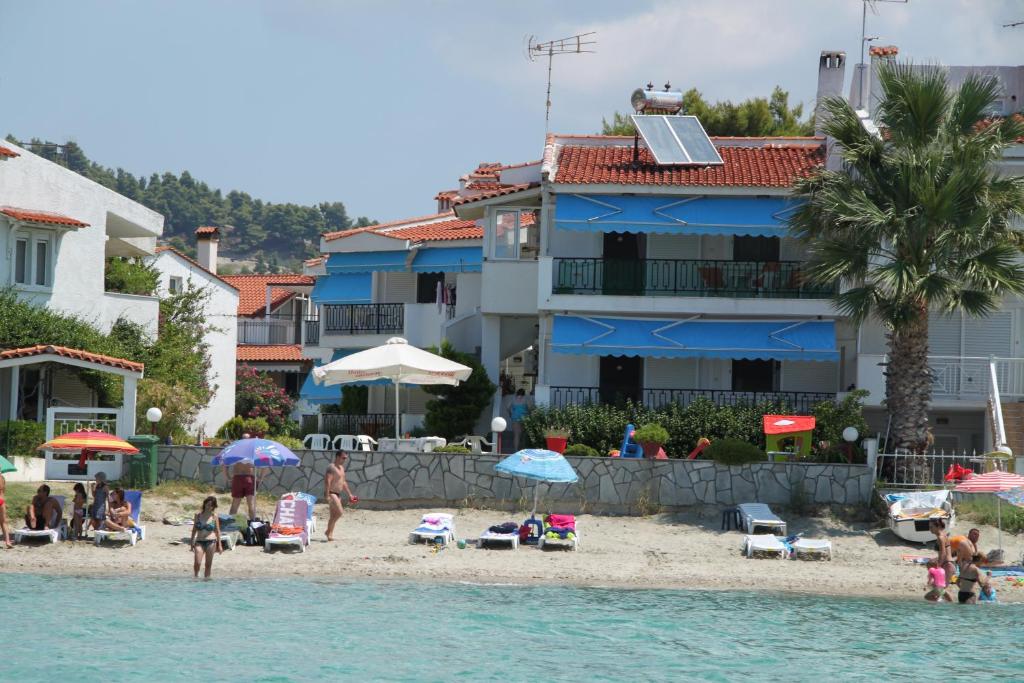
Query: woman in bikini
971,576
205,539
3,513
80,509
945,558
120,518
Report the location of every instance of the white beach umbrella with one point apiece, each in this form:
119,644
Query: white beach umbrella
396,361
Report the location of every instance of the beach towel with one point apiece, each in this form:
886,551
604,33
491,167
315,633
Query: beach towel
562,521
506,528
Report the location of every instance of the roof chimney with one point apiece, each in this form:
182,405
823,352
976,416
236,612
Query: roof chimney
831,71
207,237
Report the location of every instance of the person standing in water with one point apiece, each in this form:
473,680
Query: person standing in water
945,558
205,539
335,484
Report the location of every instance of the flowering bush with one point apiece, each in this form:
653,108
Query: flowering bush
256,395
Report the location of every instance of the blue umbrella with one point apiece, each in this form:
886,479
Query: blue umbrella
540,465
257,452
1013,496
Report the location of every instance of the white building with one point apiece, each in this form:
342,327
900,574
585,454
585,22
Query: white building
57,229
179,273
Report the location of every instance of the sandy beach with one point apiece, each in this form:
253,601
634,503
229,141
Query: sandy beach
661,551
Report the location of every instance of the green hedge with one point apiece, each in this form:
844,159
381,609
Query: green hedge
581,449
734,452
21,437
602,426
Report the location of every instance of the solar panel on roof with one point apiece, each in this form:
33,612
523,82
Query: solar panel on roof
676,140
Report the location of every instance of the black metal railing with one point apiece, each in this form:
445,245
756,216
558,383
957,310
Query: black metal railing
798,401
375,425
312,331
268,329
364,318
676,277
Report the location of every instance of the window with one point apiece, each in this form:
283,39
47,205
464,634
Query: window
426,287
174,285
33,259
516,234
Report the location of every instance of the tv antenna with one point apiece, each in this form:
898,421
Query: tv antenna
580,43
1013,24
864,37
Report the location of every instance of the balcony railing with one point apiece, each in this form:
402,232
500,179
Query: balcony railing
798,401
675,277
271,329
371,424
364,318
312,331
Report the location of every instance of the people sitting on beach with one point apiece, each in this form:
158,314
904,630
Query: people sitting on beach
936,583
3,513
945,557
971,576
44,511
120,513
98,512
79,509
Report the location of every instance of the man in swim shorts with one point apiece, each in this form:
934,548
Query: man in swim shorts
243,485
44,512
335,485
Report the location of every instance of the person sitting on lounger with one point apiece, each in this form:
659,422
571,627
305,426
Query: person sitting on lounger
44,512
120,518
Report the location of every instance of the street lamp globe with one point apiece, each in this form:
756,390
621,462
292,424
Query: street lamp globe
498,424
154,415
850,434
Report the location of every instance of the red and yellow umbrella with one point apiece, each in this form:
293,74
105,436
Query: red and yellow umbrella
88,442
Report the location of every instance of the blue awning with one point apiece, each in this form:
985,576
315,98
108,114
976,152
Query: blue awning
695,215
343,288
736,339
367,262
448,260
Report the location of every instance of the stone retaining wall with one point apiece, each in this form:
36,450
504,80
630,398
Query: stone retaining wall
396,480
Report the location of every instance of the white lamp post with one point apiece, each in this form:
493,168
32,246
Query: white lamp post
498,425
154,415
850,435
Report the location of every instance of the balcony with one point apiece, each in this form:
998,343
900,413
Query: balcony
956,380
677,277
797,401
363,319
270,329
312,331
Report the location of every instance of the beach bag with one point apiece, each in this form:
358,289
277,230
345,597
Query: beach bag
256,532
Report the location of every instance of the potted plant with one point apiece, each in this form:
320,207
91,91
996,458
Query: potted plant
557,438
652,437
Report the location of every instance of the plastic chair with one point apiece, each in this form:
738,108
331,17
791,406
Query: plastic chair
365,443
475,444
344,442
317,442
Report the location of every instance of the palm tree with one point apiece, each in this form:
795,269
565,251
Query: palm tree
919,221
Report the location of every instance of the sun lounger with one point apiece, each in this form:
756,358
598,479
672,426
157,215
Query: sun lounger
133,535
491,536
310,502
434,526
812,547
764,543
58,533
560,530
291,514
760,515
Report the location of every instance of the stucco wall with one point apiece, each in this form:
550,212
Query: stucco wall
221,314
395,480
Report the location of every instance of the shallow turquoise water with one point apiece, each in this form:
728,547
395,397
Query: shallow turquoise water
297,630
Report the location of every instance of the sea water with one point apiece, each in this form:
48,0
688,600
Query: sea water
127,628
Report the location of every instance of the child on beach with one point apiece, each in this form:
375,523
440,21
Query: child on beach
936,583
99,501
79,508
205,539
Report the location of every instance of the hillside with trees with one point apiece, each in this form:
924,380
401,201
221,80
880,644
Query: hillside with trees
757,116
274,236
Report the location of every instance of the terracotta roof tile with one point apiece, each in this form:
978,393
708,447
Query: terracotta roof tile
252,289
45,217
443,230
207,230
76,354
763,166
499,191
260,353
161,249
355,231
316,261
8,152
883,51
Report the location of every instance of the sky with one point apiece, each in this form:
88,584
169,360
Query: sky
382,103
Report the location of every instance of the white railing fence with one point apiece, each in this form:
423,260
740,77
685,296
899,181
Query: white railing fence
928,470
995,406
66,420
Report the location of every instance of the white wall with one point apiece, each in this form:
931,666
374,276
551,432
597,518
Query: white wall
670,373
510,287
221,314
142,310
568,370
808,376
31,182
575,244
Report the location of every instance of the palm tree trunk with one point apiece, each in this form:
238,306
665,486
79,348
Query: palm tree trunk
908,392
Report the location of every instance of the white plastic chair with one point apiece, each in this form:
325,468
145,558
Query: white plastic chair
344,442
317,442
365,443
476,444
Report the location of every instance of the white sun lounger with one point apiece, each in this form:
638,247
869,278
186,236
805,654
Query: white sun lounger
59,533
489,536
137,533
573,542
432,526
764,543
289,512
760,515
813,547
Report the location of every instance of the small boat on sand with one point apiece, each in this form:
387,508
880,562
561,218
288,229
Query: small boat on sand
911,513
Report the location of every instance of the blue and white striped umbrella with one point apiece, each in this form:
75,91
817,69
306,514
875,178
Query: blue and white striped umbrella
258,452
540,465
1013,496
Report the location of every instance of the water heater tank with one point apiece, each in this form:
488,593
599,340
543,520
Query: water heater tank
662,101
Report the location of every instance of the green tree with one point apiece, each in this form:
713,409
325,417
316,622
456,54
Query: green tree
919,222
457,408
754,117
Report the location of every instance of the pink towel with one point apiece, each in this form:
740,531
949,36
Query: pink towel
562,521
